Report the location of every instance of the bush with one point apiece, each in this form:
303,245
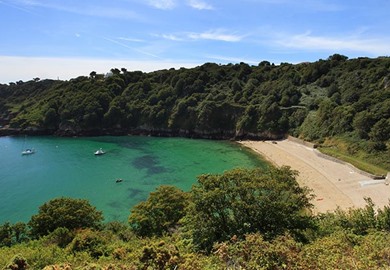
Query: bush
17,263
160,212
241,201
92,242
64,213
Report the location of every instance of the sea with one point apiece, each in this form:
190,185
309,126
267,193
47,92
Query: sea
67,167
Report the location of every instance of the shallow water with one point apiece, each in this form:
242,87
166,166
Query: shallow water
68,167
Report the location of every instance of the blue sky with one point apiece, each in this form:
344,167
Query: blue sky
67,38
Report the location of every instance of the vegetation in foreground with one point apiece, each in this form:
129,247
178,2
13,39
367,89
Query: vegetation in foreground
333,98
241,219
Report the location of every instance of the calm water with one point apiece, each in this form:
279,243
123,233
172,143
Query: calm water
67,167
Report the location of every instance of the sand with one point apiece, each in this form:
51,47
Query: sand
333,184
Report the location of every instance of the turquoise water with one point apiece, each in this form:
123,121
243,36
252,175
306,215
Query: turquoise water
67,167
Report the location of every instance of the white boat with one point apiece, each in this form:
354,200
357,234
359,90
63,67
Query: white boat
99,152
28,152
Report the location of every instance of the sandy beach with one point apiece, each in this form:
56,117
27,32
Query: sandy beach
333,184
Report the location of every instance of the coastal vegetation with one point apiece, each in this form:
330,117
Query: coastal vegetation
346,99
241,219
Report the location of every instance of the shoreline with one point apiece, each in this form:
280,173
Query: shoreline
334,184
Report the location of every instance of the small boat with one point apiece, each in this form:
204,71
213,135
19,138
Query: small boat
28,152
119,180
99,152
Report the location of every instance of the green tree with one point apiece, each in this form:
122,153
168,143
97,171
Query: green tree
362,123
20,232
51,118
12,234
381,130
92,75
64,212
6,234
160,212
242,201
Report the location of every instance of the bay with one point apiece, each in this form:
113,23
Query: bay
67,167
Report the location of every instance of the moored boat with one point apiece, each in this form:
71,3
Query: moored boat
99,152
28,152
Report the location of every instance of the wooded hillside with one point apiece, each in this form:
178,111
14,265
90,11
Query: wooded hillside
327,98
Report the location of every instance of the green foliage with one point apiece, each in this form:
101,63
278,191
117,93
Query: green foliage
6,234
17,263
247,201
160,256
92,242
331,252
121,230
359,221
61,237
257,217
253,252
64,213
13,234
366,155
353,239
160,212
326,98
380,131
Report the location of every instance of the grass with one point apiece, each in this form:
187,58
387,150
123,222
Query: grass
356,161
352,150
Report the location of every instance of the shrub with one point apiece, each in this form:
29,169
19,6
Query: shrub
66,213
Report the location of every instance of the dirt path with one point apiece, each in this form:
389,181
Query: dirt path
334,184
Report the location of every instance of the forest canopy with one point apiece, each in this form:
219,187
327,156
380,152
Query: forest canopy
346,99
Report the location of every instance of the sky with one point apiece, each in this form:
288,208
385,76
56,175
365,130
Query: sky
64,39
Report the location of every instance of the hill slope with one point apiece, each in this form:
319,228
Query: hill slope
346,99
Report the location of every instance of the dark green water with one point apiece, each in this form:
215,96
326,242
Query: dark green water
67,167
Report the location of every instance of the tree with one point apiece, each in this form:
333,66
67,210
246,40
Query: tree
11,234
6,234
20,232
66,213
243,201
160,212
338,57
115,71
93,74
51,118
380,131
362,123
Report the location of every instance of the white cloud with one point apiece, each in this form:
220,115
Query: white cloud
15,68
162,4
132,48
171,4
16,6
360,44
219,35
131,39
198,4
172,37
82,9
